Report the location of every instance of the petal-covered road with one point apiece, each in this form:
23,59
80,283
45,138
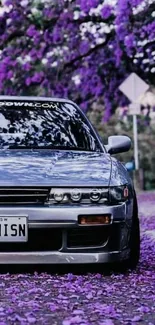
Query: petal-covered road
97,299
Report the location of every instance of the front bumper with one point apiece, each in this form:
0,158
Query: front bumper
62,258
65,219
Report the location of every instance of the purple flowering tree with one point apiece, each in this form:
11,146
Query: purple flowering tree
81,49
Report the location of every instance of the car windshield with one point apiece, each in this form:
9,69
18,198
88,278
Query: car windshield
44,124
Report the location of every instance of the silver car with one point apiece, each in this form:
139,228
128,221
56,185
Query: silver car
64,198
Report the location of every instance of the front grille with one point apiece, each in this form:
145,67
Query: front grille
44,239
87,236
23,195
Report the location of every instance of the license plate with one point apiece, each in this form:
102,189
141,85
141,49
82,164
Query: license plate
13,229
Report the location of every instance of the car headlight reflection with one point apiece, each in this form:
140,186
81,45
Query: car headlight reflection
76,195
58,196
95,195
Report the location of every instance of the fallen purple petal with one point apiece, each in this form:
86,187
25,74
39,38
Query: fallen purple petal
136,319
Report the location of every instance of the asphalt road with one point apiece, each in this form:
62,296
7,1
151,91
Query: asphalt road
91,298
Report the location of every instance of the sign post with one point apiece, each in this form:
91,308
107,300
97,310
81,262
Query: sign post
134,110
133,87
135,134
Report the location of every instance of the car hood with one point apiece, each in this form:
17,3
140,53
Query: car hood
54,168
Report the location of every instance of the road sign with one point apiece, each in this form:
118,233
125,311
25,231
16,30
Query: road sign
133,87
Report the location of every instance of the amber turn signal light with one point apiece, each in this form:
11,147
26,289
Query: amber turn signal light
95,220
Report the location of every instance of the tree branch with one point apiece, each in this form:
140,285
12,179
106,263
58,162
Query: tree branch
90,51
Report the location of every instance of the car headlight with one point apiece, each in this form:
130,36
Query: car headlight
78,195
119,194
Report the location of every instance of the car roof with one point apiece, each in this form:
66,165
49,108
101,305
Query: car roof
38,98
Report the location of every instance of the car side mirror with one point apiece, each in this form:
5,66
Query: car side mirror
118,144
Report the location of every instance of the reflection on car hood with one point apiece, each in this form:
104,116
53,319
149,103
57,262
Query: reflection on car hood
54,168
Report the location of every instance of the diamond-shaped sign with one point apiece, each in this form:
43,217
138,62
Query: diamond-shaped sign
133,87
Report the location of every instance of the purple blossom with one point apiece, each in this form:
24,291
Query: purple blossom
37,77
106,11
86,5
70,39
129,41
10,74
118,54
27,66
28,81
31,31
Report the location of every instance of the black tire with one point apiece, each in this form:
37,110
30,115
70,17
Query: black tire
134,243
